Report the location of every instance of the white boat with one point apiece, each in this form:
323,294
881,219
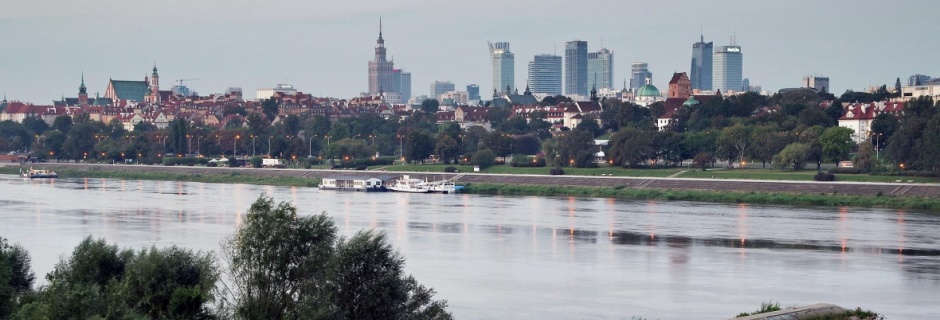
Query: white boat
353,183
38,173
442,186
407,184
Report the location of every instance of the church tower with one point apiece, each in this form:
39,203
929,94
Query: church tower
154,95
83,93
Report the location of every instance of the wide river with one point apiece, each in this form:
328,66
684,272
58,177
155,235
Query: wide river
536,257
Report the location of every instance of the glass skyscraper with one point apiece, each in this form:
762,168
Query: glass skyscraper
639,72
545,74
601,69
727,72
504,69
701,71
576,69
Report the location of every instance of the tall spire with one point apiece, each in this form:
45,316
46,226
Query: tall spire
380,29
81,88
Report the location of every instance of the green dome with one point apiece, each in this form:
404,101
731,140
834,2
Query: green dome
690,102
647,90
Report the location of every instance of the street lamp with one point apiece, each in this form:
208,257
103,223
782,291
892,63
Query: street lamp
269,145
401,148
253,145
189,144
198,152
310,146
235,146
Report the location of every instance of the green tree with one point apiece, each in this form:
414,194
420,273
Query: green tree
430,106
576,149
270,107
500,143
170,283
736,139
836,143
35,124
79,140
794,154
62,123
630,147
419,146
864,160
16,279
703,160
484,158
447,149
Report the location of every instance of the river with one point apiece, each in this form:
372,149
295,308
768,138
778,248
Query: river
536,257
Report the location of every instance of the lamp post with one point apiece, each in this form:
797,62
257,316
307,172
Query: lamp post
877,146
218,142
189,144
310,146
269,145
235,146
401,148
198,152
253,145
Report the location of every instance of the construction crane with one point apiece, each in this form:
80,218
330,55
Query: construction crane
181,81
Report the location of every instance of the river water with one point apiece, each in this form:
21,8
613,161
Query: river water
536,257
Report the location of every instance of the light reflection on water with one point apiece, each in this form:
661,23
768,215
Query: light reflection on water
536,257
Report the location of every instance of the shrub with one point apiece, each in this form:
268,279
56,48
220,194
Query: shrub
187,161
383,161
523,161
361,167
450,169
557,171
824,176
256,162
484,158
847,170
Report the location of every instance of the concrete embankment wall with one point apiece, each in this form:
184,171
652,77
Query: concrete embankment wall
804,187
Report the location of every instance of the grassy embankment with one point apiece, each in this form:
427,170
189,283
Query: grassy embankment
710,196
804,175
507,169
233,177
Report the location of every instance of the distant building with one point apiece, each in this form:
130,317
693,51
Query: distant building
440,87
639,72
745,85
545,74
263,94
473,92
727,69
405,85
680,86
917,80
576,73
380,68
701,72
819,83
601,69
929,88
504,69
647,94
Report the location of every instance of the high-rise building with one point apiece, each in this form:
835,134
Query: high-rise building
601,69
639,72
440,87
473,92
576,73
380,68
545,74
504,69
727,72
405,86
917,80
745,84
817,83
701,71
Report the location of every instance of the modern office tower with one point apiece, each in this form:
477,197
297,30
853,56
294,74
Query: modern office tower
405,86
504,69
545,74
440,87
576,73
380,68
473,92
727,68
639,72
917,80
601,69
818,83
701,71
745,85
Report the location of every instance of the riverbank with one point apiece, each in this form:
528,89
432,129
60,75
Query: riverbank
917,196
217,177
917,203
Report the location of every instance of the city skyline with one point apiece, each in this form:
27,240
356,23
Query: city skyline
305,48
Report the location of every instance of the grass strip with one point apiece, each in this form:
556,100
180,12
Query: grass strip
917,203
232,177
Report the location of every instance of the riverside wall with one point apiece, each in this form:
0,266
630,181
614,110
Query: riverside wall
768,186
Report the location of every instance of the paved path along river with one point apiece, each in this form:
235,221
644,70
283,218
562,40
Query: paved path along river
536,257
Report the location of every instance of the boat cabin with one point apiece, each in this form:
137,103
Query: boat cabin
353,183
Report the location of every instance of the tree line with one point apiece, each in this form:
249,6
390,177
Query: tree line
280,265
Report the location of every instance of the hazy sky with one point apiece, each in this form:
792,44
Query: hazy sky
322,47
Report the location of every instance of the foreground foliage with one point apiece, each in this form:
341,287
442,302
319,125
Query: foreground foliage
305,271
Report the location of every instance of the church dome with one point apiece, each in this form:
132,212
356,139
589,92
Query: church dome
647,90
690,102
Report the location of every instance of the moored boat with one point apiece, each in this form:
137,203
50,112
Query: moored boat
407,184
353,183
38,173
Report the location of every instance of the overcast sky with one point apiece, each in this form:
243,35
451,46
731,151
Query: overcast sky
322,47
